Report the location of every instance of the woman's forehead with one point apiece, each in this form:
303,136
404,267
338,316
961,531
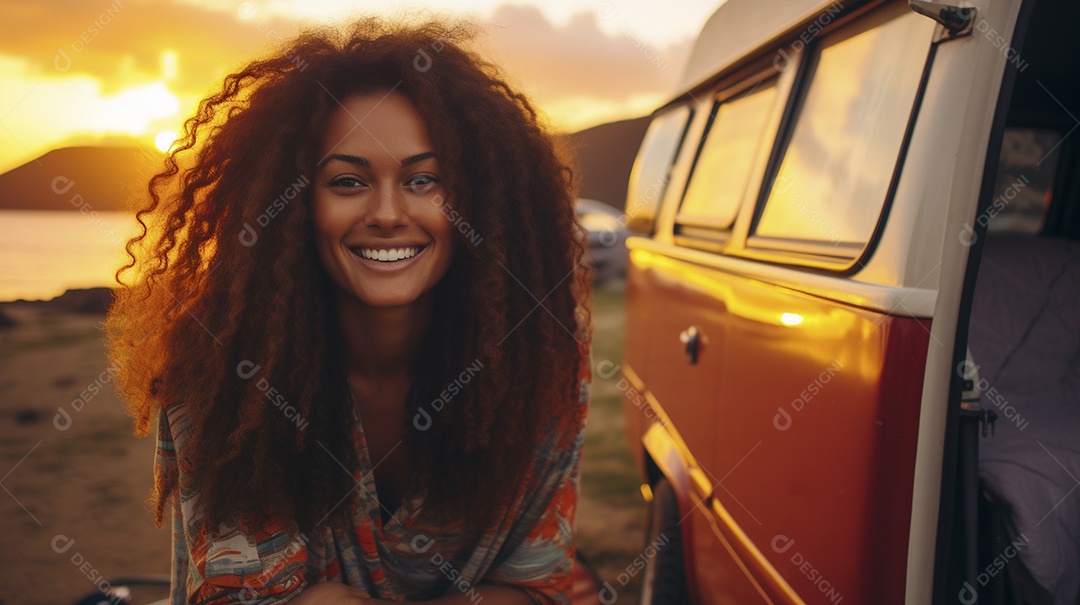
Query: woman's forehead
376,126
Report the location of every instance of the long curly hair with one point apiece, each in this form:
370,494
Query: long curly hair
225,282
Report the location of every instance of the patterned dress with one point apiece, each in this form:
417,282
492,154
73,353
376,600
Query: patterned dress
407,558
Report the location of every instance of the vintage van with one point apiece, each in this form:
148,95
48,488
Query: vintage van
854,248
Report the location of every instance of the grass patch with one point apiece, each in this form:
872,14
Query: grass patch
607,319
612,559
610,480
614,486
609,298
607,401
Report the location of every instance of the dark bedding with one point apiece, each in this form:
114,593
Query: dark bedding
1025,339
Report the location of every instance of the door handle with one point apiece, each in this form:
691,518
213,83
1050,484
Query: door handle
691,338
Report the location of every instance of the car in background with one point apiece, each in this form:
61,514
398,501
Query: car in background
607,231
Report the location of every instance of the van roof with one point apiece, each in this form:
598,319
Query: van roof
739,27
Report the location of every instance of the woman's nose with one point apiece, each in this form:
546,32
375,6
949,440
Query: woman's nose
389,209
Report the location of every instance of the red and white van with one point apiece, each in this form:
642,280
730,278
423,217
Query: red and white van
855,246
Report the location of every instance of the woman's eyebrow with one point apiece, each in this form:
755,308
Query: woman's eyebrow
363,162
352,159
412,159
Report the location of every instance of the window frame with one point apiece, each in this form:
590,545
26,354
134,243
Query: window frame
811,253
702,235
643,221
743,89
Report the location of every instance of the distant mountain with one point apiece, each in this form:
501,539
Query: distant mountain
101,178
110,178
604,155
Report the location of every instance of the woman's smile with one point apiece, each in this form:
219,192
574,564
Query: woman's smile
388,254
389,259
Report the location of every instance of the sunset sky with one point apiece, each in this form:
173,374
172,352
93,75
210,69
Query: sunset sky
78,72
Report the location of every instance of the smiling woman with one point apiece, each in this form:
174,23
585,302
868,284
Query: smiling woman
356,399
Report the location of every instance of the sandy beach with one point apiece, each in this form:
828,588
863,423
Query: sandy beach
75,478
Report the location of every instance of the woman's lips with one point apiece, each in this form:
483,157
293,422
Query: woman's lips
387,258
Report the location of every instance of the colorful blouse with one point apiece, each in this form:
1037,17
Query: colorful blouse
409,558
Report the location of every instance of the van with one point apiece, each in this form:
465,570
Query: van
851,370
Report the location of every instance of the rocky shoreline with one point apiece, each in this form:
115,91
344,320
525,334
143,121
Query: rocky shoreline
81,301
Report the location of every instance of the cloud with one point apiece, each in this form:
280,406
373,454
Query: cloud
124,41
578,58
576,73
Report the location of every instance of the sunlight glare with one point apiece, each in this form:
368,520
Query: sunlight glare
133,110
164,140
791,319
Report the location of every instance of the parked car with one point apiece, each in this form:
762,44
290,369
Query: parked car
606,226
854,245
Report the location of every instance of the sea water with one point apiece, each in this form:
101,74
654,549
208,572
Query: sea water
43,253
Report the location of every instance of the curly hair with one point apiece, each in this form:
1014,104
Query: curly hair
226,281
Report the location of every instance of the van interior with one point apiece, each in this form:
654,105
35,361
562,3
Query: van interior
1022,504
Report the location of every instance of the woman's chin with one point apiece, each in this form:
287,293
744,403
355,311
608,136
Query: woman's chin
383,299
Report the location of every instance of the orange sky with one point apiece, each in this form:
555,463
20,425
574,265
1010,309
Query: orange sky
112,71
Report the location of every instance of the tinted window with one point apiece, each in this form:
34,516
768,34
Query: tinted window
722,169
836,169
652,168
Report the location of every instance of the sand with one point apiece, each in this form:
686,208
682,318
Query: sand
75,479
73,474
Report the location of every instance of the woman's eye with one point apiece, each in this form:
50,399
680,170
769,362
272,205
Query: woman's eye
421,183
347,182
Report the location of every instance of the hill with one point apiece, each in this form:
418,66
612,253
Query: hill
102,178
107,178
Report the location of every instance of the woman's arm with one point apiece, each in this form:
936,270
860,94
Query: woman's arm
226,566
336,593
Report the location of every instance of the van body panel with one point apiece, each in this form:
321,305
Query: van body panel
908,301
731,583
666,450
818,397
744,574
727,582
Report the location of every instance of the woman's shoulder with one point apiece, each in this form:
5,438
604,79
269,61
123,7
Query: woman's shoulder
174,425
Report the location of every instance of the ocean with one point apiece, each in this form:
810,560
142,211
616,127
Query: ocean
44,253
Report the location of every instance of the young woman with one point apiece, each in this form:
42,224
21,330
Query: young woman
358,320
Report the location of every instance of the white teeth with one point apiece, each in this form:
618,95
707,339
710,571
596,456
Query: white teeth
389,255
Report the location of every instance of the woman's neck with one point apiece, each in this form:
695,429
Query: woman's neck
381,343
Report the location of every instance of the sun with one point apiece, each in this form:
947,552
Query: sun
164,140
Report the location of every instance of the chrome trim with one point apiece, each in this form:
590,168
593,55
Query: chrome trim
956,20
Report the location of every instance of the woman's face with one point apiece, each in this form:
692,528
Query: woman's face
378,202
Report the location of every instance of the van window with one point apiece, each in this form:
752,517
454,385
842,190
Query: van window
722,170
836,169
1025,180
652,168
